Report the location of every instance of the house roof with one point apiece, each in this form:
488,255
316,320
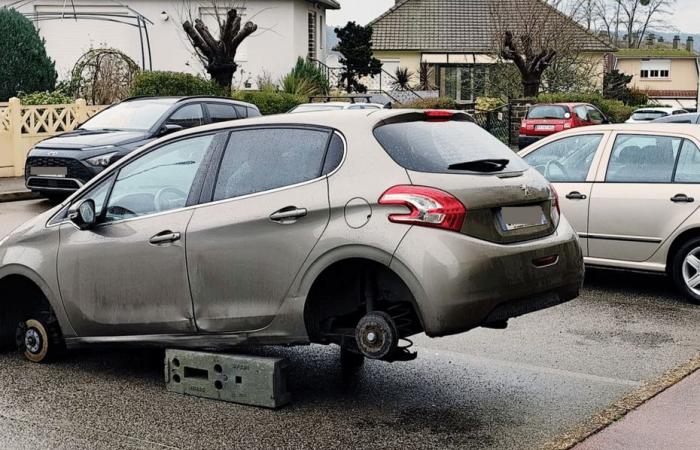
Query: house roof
665,52
330,4
671,93
464,26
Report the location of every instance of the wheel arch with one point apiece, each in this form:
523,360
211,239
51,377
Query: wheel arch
677,243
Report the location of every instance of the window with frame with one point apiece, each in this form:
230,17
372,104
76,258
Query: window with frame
188,116
158,181
643,159
655,68
688,169
263,159
567,160
313,35
219,112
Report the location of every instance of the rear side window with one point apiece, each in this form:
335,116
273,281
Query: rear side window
264,159
252,112
548,112
188,116
218,112
435,146
643,159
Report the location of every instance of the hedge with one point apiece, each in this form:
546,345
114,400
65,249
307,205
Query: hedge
176,84
615,110
269,102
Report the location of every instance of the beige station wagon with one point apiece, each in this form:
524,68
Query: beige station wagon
632,193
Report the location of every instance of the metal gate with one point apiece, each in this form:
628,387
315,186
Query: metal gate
496,122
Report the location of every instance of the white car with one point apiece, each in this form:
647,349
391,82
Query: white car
645,115
334,106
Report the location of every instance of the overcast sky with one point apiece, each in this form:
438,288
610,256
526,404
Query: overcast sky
686,18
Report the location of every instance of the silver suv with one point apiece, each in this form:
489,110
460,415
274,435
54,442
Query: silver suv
357,228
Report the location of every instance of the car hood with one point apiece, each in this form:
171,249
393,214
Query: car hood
80,139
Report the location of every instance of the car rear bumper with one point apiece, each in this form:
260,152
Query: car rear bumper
524,141
460,283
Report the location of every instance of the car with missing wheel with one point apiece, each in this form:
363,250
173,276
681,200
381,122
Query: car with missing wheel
631,192
60,165
355,228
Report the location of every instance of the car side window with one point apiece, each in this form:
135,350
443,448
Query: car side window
263,159
595,115
566,160
334,157
159,181
688,170
188,116
99,195
581,112
242,111
643,159
218,112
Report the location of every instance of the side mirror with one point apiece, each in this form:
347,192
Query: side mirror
169,128
82,214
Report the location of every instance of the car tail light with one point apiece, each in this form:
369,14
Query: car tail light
428,207
437,115
555,212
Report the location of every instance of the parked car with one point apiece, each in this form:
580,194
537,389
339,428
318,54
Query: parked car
60,165
333,106
631,193
356,228
645,115
680,118
546,119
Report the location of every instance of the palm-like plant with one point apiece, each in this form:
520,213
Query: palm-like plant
402,79
426,76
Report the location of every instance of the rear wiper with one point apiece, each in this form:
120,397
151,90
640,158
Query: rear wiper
481,165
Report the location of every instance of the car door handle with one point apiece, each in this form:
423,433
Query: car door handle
164,237
682,198
288,215
576,195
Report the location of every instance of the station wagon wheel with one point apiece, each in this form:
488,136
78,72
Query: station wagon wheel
686,270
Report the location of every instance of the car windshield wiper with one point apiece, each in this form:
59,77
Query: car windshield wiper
481,165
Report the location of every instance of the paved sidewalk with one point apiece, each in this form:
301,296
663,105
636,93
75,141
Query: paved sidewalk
671,420
13,189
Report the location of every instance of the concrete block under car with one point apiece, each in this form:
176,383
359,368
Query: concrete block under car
249,380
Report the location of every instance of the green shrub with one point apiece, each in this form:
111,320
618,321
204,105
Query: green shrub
305,79
431,103
271,102
25,66
615,110
488,103
57,97
156,84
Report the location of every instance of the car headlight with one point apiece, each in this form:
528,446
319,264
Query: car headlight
101,160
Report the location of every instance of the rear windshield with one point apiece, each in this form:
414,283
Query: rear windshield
435,146
548,112
648,115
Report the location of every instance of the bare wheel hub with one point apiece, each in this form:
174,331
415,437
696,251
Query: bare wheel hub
376,335
32,341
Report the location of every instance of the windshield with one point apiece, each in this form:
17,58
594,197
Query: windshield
648,115
130,116
548,112
446,147
312,108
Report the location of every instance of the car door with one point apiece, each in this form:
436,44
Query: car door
635,205
128,274
570,164
269,207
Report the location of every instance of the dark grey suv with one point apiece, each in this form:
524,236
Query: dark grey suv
61,165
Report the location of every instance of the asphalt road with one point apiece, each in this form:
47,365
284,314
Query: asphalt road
516,388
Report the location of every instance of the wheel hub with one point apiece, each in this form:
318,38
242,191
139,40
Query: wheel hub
376,335
32,341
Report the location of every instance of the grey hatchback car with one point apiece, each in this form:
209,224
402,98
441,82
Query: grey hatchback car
355,228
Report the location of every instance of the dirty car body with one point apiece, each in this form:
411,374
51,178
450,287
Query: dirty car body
357,228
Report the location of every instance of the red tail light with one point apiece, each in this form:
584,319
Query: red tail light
555,213
428,207
437,115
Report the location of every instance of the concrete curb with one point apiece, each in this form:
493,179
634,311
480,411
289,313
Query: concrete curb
17,196
623,406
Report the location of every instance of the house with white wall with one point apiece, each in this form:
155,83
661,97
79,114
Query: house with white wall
150,32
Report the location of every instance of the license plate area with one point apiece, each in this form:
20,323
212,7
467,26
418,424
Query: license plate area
58,172
513,218
544,127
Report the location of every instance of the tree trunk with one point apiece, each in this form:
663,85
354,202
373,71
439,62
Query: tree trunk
531,86
222,74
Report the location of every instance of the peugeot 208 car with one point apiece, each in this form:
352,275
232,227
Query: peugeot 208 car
58,166
358,228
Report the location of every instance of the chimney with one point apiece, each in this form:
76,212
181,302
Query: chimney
651,38
690,44
676,42
661,40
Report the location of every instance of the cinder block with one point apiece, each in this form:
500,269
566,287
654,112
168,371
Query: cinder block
249,380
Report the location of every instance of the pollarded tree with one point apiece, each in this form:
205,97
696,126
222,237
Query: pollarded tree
25,66
355,46
219,55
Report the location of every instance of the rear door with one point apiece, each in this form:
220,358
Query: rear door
221,112
643,193
268,207
570,164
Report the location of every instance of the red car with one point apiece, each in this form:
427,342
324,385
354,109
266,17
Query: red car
546,119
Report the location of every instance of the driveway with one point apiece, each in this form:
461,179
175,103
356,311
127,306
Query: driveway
515,388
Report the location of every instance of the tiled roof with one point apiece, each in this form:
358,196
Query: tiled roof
655,52
464,26
671,94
